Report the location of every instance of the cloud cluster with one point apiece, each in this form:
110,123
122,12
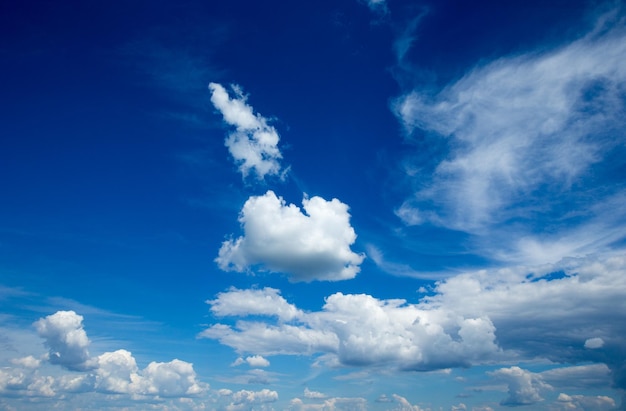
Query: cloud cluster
549,312
254,143
109,373
362,330
246,400
279,237
526,138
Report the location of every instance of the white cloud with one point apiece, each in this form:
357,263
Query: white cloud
254,143
313,394
279,237
66,339
362,330
584,403
257,361
246,400
488,316
404,404
117,372
266,301
524,386
593,343
523,136
26,362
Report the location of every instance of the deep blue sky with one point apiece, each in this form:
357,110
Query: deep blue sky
338,205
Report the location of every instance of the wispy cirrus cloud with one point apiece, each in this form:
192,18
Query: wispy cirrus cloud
527,139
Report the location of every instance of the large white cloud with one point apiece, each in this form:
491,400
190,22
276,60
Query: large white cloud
523,313
362,330
528,138
279,237
65,337
524,386
254,143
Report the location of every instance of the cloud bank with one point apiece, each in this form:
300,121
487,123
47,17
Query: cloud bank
254,143
551,312
280,237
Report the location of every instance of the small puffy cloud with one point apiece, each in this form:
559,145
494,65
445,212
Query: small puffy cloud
246,400
117,372
66,339
266,301
279,237
404,404
26,362
170,379
593,343
584,403
254,143
524,386
313,394
252,361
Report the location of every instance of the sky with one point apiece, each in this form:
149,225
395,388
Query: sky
380,205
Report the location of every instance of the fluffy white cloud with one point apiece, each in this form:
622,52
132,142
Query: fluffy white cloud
246,400
362,330
65,337
524,386
313,394
404,404
523,135
279,237
509,314
593,343
266,301
254,143
253,361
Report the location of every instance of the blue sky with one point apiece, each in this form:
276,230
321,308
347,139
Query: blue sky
332,205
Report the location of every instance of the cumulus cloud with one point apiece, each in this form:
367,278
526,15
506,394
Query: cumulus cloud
362,330
253,361
487,316
246,400
66,339
593,343
313,394
108,373
280,237
524,386
266,301
526,137
254,143
404,404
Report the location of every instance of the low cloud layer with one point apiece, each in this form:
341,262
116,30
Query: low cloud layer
280,237
254,143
